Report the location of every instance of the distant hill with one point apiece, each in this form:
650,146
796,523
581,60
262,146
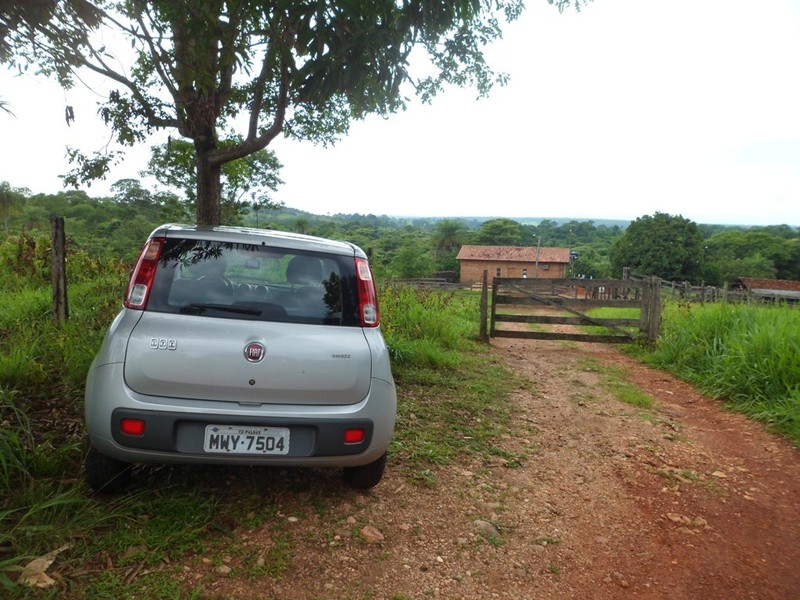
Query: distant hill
562,220
472,222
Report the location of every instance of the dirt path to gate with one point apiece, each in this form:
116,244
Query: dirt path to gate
609,501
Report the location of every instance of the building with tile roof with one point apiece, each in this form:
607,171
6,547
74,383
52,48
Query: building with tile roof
512,261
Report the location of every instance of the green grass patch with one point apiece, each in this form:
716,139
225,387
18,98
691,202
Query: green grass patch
447,412
747,356
113,584
451,392
614,380
428,328
43,360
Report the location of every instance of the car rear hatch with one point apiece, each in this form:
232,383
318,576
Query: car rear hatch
236,321
201,358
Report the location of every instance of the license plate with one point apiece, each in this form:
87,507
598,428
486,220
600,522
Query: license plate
238,439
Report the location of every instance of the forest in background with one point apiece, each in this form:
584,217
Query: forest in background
668,246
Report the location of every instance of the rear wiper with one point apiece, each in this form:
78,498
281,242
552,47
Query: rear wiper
199,309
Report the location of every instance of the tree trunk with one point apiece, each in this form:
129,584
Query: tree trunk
208,189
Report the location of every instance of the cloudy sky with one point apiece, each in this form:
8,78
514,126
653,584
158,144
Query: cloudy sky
630,107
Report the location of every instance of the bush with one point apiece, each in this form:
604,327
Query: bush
424,327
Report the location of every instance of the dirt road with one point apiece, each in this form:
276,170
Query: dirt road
610,501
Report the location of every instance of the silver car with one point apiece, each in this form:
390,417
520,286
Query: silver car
242,346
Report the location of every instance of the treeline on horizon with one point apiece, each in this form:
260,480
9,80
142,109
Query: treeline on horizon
670,247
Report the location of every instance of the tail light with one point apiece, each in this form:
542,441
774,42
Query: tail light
143,274
132,427
367,296
354,436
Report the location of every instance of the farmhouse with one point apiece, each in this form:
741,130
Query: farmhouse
512,261
778,289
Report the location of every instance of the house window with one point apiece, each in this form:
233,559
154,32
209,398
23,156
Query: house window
498,272
546,267
524,273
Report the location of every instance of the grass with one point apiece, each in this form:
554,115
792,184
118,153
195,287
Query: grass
451,388
38,356
746,356
614,379
444,413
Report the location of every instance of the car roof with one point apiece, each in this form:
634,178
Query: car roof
251,235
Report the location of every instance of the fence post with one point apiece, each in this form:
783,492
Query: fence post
654,324
494,305
59,271
644,316
484,333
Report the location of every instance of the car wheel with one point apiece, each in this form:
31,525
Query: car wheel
365,476
106,475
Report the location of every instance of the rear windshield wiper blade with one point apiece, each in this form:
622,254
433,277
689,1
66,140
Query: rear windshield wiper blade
199,309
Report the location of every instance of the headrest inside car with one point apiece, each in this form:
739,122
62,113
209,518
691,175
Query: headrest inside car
304,270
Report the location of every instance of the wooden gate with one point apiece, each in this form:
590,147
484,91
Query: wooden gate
567,302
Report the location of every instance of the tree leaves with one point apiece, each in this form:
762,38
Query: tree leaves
89,168
670,247
244,181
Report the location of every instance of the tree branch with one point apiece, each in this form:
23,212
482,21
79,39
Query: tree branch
156,54
254,142
152,118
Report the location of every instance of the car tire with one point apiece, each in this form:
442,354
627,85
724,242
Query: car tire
106,475
366,476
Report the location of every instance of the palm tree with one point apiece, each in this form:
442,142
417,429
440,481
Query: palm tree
10,202
301,225
447,235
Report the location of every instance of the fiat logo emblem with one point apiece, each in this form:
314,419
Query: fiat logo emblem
254,352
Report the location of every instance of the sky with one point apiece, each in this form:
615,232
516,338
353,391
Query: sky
624,109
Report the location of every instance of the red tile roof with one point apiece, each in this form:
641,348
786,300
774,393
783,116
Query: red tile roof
770,284
514,254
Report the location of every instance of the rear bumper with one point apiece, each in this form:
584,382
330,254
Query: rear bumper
183,433
174,428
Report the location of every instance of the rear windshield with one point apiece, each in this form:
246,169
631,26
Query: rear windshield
244,281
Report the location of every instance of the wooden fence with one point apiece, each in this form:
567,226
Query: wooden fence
708,293
429,283
567,302
686,292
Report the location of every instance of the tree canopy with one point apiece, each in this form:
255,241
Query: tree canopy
244,182
769,252
500,232
204,67
670,247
